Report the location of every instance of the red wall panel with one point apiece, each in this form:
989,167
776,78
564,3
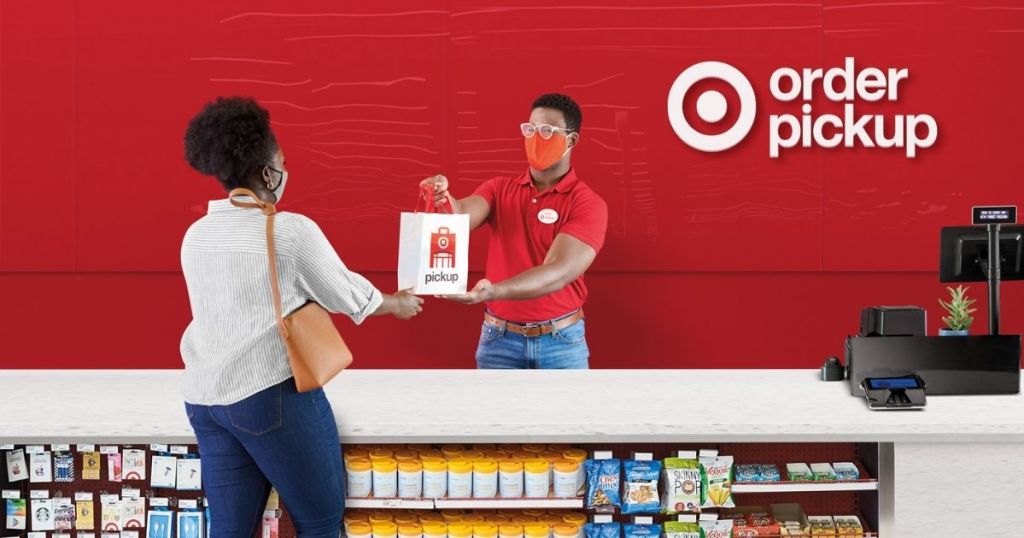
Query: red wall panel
367,99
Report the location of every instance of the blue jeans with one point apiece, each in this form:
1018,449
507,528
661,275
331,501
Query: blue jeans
278,437
564,349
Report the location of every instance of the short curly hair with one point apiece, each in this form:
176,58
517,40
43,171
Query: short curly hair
564,104
230,139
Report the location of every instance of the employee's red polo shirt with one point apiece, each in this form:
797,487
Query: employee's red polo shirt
524,223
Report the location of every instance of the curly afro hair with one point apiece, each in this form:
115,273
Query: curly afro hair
563,103
230,139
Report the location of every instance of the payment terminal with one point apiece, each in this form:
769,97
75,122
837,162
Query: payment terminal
899,392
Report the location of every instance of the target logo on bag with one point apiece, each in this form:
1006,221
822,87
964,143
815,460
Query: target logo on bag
442,249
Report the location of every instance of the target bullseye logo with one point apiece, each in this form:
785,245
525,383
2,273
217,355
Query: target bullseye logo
711,106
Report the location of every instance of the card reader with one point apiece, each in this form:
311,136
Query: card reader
900,392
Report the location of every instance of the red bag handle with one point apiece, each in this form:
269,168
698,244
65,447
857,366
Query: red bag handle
427,193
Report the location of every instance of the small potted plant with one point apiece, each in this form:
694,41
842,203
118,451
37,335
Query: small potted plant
959,319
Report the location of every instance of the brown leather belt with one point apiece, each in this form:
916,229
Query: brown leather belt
531,330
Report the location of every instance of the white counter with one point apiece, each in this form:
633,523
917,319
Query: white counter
920,451
412,406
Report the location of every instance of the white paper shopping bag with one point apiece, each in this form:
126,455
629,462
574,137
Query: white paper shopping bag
433,253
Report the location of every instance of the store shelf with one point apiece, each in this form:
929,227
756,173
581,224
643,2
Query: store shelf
397,504
804,487
491,504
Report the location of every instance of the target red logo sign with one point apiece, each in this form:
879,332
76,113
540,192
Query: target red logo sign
711,106
442,249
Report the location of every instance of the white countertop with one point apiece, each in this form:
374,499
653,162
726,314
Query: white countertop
596,406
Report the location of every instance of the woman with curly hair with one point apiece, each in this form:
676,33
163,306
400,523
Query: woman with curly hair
254,429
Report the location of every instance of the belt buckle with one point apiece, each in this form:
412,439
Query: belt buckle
532,330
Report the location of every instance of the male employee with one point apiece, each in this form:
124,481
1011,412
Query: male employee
546,228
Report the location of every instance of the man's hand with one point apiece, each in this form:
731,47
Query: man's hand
406,305
438,185
481,293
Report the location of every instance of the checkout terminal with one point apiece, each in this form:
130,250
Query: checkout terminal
893,363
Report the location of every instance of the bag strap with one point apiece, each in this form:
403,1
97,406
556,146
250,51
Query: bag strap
269,210
426,193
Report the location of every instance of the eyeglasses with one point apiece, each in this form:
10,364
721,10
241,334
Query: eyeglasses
546,131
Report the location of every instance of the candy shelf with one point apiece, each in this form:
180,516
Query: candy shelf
802,486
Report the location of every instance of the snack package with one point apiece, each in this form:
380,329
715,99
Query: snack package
641,489
798,472
747,473
682,486
721,528
822,525
716,476
603,530
679,529
768,472
603,477
822,471
641,531
846,470
848,525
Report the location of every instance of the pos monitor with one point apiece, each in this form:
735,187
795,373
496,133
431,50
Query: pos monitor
990,254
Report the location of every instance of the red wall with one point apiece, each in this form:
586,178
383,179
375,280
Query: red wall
713,260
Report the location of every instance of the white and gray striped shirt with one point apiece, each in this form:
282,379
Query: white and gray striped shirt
232,349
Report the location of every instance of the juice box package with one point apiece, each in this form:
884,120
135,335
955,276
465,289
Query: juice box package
716,476
682,486
641,495
679,529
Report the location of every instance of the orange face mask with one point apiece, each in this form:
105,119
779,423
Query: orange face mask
542,154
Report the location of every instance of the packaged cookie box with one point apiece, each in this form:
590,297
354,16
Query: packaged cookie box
752,521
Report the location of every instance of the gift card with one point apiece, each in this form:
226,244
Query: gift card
90,465
110,516
133,513
17,468
63,467
85,518
40,467
63,514
114,467
42,514
270,527
17,514
133,464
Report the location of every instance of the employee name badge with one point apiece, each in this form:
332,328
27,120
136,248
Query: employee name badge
433,253
164,472
17,467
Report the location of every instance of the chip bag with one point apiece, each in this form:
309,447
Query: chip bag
682,486
641,531
641,490
716,482
603,477
603,530
679,529
721,528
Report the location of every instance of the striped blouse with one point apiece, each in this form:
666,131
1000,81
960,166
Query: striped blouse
231,348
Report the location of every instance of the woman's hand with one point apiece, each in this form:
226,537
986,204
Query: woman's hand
406,305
